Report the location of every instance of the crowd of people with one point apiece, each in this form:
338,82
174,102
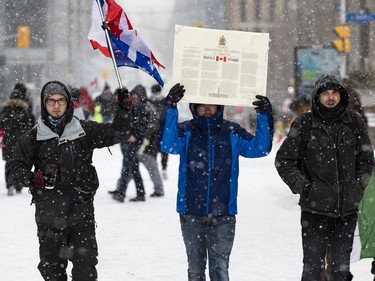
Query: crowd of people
326,157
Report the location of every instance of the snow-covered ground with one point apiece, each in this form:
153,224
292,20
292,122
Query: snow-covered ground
142,241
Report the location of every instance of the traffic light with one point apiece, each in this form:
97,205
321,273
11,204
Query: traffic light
23,39
343,44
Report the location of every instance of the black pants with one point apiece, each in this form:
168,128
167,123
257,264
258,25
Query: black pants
164,160
77,244
318,231
130,169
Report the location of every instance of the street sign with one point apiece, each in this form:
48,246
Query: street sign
360,18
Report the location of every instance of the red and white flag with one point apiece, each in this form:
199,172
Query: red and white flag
128,47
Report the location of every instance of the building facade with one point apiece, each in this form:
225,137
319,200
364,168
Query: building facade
57,47
293,23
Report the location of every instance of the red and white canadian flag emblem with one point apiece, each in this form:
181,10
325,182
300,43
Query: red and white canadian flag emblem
218,58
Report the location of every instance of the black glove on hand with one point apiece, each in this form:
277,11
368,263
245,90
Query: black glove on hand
262,105
175,94
124,100
46,179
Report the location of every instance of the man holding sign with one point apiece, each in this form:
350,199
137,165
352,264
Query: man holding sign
209,148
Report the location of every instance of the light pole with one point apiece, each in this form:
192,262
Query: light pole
343,54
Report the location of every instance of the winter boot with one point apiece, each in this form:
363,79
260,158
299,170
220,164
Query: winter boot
118,197
139,198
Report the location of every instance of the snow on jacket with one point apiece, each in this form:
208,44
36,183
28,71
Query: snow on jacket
334,171
71,199
209,149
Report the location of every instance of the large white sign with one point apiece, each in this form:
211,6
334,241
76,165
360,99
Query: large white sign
220,66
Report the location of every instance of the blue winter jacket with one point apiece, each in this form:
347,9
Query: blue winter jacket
209,149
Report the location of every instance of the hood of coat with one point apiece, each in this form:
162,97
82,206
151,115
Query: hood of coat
328,82
15,102
217,119
140,91
48,89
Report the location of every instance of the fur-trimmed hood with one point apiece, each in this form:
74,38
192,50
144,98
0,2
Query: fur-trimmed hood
15,102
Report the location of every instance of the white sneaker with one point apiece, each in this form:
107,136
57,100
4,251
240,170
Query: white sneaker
11,191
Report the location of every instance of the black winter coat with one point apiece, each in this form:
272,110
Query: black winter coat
71,199
330,173
16,119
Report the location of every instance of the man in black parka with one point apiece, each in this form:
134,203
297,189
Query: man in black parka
16,118
328,159
64,181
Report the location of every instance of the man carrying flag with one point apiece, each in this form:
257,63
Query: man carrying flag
127,46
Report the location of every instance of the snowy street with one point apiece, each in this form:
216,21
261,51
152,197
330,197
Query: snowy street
142,240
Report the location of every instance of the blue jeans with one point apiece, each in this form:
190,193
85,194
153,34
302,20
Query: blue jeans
212,235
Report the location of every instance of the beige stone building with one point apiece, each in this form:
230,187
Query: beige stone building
294,23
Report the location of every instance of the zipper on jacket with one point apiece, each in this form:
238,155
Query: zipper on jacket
209,152
337,180
336,140
337,173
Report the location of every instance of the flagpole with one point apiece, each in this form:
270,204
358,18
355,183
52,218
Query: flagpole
105,28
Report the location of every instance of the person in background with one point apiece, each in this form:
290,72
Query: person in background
78,109
355,104
27,96
157,101
106,104
327,159
16,118
209,148
130,148
87,103
147,154
64,181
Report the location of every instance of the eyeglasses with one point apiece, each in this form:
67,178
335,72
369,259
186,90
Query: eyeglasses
204,107
52,102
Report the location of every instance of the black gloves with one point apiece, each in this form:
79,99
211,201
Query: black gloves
262,105
175,94
47,178
124,100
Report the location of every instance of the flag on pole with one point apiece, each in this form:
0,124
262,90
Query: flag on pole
364,236
128,47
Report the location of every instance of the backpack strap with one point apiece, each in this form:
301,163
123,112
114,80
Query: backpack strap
306,127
